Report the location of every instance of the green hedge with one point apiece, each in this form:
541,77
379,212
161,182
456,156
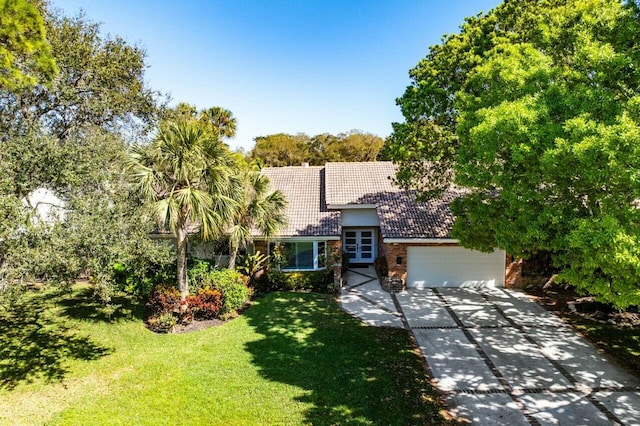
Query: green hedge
318,281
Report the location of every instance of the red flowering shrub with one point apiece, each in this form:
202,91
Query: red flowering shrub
206,304
164,300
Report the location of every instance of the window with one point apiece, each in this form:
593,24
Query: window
300,255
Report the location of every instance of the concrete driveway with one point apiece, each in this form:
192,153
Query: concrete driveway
498,357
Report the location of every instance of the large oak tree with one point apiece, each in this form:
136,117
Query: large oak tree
535,107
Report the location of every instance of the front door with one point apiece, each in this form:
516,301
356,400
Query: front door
360,245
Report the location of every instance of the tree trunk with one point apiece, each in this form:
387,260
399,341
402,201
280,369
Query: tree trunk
232,257
183,284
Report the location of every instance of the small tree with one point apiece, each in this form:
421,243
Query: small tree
188,175
259,210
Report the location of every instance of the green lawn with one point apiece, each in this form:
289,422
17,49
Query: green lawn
292,358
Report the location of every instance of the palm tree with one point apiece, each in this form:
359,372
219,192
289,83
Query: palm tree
189,176
221,120
258,210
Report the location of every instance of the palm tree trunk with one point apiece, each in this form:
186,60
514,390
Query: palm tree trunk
183,285
232,257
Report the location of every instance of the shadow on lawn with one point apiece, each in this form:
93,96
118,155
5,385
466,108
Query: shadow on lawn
353,374
37,343
82,305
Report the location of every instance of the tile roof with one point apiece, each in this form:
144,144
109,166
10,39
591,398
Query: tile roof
358,183
304,188
400,215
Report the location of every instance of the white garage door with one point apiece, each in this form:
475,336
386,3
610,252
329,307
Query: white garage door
450,266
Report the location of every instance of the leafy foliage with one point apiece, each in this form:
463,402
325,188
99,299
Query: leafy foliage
207,304
292,150
100,82
229,282
164,300
233,287
162,323
25,54
187,174
259,209
102,223
67,137
317,281
534,108
252,264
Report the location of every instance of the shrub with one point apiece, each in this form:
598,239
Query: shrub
381,266
164,300
232,286
198,272
140,281
345,262
318,281
252,264
207,304
162,323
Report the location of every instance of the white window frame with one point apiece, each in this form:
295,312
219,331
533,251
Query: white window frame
316,254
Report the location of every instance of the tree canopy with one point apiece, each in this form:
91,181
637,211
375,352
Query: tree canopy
535,108
100,82
188,175
69,135
25,53
291,150
259,209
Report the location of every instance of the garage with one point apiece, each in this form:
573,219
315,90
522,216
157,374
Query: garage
454,266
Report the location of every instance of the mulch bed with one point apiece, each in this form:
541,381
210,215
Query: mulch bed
196,326
564,301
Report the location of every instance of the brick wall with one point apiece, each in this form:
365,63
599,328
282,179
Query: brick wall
513,278
392,252
334,248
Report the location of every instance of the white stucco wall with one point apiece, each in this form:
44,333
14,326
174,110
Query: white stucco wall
359,217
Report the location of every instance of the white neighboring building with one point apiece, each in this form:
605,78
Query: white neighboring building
46,205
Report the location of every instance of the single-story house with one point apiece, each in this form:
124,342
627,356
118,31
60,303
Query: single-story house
357,209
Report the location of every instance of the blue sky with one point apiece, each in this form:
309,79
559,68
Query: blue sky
283,65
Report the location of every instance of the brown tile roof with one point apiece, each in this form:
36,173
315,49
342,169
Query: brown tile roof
304,188
358,183
401,216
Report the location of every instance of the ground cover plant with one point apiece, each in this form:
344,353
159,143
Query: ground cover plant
291,358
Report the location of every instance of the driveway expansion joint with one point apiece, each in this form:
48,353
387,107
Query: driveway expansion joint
508,390
347,288
576,384
373,302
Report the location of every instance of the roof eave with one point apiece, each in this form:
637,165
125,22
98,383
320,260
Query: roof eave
421,240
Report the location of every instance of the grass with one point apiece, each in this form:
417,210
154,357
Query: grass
291,358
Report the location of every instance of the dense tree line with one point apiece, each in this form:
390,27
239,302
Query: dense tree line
78,121
534,107
65,127
292,150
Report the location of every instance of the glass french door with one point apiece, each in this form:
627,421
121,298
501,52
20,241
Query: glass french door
360,245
